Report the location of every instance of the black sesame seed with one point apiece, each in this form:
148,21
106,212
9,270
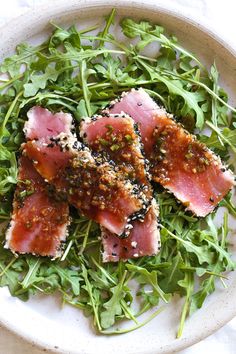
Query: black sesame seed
139,104
114,254
50,145
211,199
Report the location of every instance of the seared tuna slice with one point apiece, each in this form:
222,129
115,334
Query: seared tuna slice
42,123
117,136
93,185
144,239
179,162
39,223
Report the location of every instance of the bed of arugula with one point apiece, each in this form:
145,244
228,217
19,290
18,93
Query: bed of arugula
80,72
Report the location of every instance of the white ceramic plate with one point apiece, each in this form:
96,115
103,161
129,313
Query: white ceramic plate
41,320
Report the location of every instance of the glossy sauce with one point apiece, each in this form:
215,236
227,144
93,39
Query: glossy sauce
39,222
179,162
91,184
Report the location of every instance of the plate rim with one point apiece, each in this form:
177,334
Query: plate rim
75,5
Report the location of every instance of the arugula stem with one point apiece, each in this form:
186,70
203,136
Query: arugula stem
216,275
171,233
112,41
217,130
76,304
107,27
214,79
38,288
185,310
86,30
186,73
229,206
81,55
34,51
85,87
224,229
40,96
9,82
107,275
67,250
126,330
143,310
89,29
206,88
89,289
85,238
4,217
222,281
32,270
128,312
8,266
8,114
153,93
132,274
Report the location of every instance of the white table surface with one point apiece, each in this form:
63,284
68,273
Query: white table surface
218,15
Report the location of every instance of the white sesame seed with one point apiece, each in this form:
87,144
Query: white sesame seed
134,244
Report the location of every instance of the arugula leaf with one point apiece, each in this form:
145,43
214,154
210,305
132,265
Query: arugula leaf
11,279
113,306
69,278
175,87
227,135
188,284
8,174
171,276
151,33
40,81
24,56
146,277
29,278
207,287
201,252
92,296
